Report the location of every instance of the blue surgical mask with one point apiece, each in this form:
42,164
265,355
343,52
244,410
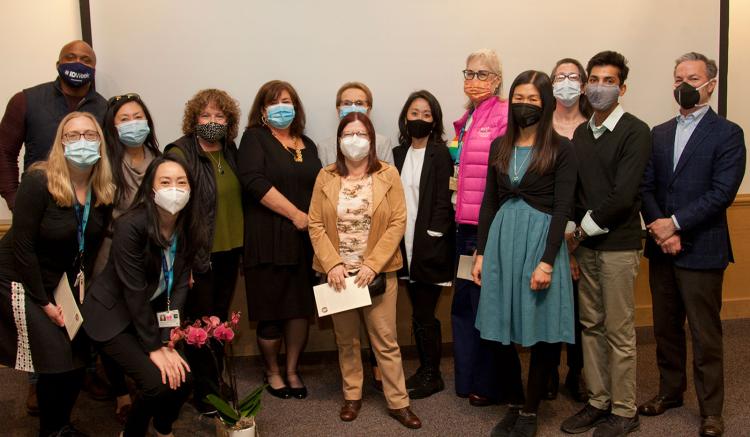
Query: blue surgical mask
82,153
280,115
133,133
346,110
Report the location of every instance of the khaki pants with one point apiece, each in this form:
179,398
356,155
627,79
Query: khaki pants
380,321
607,313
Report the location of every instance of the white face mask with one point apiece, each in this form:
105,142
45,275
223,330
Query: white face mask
567,92
171,199
355,147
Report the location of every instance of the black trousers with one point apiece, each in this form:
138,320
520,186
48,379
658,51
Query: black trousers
678,294
154,399
57,394
211,295
542,362
424,299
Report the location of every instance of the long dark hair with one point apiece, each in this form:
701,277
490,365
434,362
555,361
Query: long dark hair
436,136
373,163
544,152
115,147
189,227
583,102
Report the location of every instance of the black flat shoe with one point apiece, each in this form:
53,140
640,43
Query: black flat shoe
281,393
299,393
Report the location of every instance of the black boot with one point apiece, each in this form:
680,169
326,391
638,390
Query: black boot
429,343
415,380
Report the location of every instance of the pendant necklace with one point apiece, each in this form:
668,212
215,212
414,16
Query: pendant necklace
294,150
515,161
218,163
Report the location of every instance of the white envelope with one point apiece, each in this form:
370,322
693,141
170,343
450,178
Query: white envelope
71,314
465,265
329,301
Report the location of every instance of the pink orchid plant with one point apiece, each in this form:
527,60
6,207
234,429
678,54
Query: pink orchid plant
235,413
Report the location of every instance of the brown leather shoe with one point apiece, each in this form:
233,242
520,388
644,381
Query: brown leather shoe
32,404
658,405
406,417
350,410
712,426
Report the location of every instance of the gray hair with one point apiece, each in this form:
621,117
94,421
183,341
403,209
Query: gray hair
490,59
711,67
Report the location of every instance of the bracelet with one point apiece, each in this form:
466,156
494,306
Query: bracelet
549,272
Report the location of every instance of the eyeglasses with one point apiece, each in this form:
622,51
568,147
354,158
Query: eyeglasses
355,103
72,137
128,96
481,74
575,77
351,134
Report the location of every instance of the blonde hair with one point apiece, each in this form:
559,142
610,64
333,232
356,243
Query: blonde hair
58,175
490,58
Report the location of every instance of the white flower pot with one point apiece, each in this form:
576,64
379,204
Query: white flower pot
224,431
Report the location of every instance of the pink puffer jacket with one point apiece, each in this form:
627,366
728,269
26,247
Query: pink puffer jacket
488,122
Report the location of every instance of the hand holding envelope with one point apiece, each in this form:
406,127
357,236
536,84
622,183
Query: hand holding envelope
351,296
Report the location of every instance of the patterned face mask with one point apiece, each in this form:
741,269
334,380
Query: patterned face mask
211,131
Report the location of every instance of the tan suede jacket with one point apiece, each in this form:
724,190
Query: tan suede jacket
388,220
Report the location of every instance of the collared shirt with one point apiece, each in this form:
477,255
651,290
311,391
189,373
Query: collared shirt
609,123
590,227
686,125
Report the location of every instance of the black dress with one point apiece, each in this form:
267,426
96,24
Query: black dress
278,258
40,246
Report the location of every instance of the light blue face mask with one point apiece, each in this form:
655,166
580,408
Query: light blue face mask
83,153
346,110
280,115
133,133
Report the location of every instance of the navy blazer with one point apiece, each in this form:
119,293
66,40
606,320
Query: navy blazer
698,191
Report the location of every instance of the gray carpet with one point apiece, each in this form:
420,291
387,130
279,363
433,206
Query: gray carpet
441,414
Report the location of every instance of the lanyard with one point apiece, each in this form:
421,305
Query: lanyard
82,217
461,135
168,268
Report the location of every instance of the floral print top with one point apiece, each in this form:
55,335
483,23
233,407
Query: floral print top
354,220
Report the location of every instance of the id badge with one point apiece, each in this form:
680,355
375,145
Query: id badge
453,181
168,319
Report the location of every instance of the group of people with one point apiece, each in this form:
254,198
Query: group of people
544,191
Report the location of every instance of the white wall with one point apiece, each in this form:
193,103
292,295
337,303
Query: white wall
167,50
738,99
33,32
181,46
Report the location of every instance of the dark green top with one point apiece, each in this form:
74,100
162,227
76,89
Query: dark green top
228,233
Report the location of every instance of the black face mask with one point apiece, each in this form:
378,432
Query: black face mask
687,96
418,128
525,115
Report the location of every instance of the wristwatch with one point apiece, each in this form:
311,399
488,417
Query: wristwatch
579,234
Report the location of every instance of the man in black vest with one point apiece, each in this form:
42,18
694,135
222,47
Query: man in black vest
32,115
31,119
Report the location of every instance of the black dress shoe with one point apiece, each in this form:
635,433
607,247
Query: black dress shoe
480,401
298,392
576,388
658,405
712,426
281,393
553,386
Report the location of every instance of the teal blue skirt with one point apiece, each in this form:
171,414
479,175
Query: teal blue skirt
509,310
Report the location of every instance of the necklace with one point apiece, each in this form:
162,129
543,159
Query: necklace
294,150
515,161
218,163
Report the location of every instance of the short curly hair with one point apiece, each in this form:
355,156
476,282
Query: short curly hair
222,100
